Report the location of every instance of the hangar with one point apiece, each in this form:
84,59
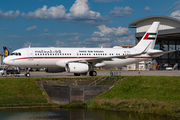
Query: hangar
168,37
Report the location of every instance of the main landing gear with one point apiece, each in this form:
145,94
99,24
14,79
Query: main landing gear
78,74
92,73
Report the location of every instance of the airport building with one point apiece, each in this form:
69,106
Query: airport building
168,37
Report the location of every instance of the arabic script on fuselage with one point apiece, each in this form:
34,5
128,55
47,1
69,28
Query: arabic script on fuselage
47,51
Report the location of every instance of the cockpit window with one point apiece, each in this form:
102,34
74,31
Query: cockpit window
16,54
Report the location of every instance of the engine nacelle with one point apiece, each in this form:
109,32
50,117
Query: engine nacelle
55,70
77,67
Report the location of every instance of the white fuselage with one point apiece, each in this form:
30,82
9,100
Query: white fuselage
58,57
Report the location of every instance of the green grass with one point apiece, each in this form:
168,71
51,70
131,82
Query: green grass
25,91
143,94
20,91
113,80
146,94
160,88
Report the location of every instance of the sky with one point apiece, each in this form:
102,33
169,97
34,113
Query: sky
75,23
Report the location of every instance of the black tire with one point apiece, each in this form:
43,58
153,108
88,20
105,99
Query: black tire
91,73
77,74
27,74
94,73
84,74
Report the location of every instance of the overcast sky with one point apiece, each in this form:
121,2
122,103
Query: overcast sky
75,23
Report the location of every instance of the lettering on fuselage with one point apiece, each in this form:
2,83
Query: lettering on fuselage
47,51
127,53
90,51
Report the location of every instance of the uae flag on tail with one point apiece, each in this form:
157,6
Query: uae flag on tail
149,36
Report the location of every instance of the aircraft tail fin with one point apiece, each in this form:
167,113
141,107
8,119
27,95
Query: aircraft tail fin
148,40
6,51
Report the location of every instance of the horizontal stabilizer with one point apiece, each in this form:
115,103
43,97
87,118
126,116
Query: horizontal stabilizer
156,54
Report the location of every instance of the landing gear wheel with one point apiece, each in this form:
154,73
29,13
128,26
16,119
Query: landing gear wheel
27,74
92,73
76,74
84,74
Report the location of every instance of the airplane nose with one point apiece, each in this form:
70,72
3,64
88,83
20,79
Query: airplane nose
6,61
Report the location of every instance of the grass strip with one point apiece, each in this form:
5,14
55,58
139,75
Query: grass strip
143,94
20,91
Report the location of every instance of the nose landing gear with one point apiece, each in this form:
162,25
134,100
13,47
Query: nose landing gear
27,73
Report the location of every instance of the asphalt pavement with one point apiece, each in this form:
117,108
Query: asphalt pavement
107,73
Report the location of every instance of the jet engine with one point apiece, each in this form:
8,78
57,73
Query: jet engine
77,67
55,70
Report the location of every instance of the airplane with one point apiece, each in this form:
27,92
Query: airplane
83,60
